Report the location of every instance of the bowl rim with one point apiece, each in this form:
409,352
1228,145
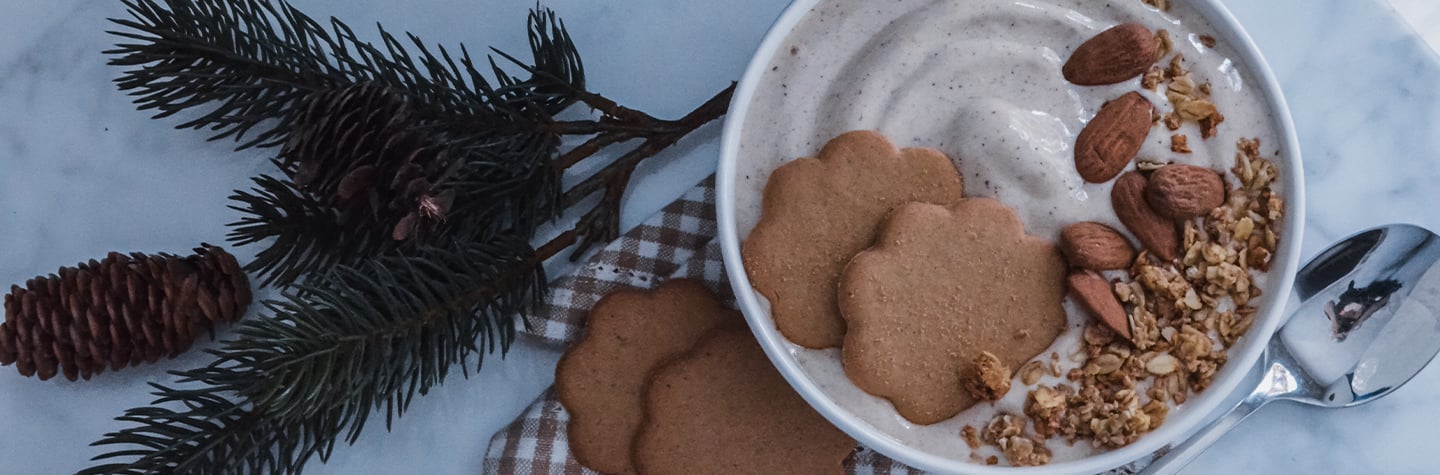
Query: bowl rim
1198,410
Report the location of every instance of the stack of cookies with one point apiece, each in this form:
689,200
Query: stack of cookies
670,381
931,296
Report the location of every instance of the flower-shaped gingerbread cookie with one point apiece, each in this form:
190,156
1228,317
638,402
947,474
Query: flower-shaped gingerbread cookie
724,409
817,213
601,380
940,286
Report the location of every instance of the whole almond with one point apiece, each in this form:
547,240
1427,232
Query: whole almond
1095,246
1185,191
1119,53
1111,139
1155,231
1093,292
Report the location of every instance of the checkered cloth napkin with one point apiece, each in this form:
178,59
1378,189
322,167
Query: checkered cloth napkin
677,242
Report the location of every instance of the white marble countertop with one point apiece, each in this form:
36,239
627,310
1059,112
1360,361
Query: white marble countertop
84,173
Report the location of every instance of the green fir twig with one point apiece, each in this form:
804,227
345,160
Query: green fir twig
388,284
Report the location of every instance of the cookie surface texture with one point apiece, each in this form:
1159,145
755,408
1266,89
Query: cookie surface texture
817,213
601,379
940,286
724,409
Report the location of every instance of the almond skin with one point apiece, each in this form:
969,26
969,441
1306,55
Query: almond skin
1093,292
1155,231
1115,55
1110,141
1185,191
1095,246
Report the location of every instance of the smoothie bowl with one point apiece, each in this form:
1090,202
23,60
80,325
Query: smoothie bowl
991,235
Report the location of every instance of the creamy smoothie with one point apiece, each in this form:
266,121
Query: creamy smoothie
979,80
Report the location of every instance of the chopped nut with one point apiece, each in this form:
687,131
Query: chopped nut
1179,143
1210,125
1031,372
1207,40
1105,364
1260,259
1192,109
1172,120
1098,335
1046,408
1233,325
1191,102
1023,452
1192,300
988,379
1152,78
1177,67
970,436
1162,364
1182,86
992,460
1157,412
1243,228
1162,5
1003,426
1163,44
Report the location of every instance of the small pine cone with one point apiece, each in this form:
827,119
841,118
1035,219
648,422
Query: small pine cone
120,311
356,148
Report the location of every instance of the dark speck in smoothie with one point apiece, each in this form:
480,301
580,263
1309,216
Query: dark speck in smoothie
794,50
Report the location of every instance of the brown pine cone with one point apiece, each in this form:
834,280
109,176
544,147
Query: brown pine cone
355,147
120,311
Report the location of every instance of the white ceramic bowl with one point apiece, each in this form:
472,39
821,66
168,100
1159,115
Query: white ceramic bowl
1181,422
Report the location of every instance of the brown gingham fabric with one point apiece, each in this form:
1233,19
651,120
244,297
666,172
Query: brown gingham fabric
677,242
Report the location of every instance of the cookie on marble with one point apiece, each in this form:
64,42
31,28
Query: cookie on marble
817,213
724,409
601,379
941,286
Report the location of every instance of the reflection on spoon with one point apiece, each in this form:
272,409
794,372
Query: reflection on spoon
1354,306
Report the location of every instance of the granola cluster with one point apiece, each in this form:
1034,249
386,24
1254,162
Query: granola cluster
1183,318
1191,101
988,379
1006,431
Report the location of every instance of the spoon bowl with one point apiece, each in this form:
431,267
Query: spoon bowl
1366,320
1362,331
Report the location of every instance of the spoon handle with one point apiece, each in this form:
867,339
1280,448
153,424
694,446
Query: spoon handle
1181,455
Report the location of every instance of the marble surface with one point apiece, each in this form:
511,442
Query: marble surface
1424,16
84,172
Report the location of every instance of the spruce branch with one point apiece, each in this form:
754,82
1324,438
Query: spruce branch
329,354
409,186
249,61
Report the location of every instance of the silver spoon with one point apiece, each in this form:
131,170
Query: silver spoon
1367,321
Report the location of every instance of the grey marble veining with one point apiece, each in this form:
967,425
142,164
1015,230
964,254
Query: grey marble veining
82,172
